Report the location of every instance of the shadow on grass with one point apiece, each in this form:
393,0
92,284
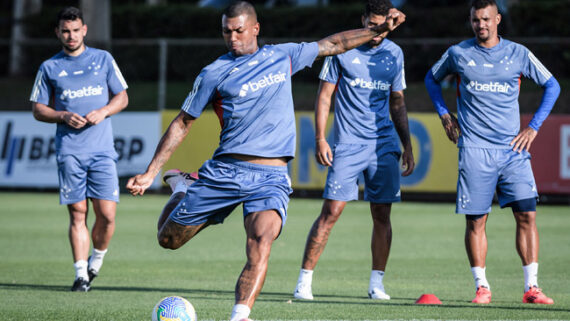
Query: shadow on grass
283,297
349,300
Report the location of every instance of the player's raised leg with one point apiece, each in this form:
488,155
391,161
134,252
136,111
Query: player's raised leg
380,246
315,245
476,247
262,228
80,243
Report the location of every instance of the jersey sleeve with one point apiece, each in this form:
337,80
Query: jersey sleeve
42,90
330,72
444,66
202,93
302,54
115,79
399,82
534,69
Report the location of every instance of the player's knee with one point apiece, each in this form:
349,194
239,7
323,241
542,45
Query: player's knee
331,213
106,220
476,223
167,241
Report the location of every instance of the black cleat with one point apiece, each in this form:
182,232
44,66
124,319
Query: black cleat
92,275
80,285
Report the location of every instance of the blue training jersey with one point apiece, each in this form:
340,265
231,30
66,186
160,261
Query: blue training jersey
365,77
488,89
251,94
80,84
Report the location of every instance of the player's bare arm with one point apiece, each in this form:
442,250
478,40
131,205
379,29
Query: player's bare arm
523,140
174,135
115,105
399,115
346,40
451,126
323,151
47,114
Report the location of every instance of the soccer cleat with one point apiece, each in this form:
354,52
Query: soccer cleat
80,285
173,176
92,275
378,294
482,296
535,295
303,292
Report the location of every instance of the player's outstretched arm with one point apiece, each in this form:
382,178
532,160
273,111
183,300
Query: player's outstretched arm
115,105
399,115
323,152
174,135
346,40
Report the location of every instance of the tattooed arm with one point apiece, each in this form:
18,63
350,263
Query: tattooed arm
346,40
173,136
400,118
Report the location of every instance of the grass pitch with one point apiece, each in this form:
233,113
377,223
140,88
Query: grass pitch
427,256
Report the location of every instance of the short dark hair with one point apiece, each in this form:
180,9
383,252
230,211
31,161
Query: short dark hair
480,4
238,8
69,13
378,7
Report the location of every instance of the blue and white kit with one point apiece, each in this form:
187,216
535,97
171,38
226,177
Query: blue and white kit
81,84
251,94
365,139
489,118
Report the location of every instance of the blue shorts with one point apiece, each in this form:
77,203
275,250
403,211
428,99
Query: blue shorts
225,183
483,171
85,176
380,169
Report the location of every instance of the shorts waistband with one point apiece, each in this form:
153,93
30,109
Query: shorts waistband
252,166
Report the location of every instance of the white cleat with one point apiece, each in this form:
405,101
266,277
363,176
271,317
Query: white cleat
378,294
303,292
173,176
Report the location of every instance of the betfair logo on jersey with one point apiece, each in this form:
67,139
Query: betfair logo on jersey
373,85
493,87
83,92
267,80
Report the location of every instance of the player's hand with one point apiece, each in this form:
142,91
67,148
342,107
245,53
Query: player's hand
408,163
324,154
96,116
523,140
451,126
138,184
394,19
74,120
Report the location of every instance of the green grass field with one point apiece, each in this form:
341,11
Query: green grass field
427,257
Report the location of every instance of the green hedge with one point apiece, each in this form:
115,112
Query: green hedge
525,19
424,20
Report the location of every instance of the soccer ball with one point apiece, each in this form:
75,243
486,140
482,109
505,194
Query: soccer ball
173,308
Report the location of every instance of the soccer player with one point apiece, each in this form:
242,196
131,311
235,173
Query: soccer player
493,151
369,83
79,89
250,89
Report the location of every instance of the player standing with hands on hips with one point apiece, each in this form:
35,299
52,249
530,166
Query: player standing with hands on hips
493,151
79,89
250,89
369,84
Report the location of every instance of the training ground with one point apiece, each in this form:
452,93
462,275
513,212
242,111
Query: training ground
427,256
